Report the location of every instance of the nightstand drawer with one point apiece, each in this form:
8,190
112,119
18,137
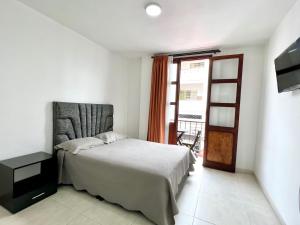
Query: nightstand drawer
32,197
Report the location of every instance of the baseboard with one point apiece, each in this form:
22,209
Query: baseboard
268,197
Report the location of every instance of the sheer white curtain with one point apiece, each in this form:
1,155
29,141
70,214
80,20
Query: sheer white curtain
171,95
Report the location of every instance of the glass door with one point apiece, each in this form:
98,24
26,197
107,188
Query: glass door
222,115
191,89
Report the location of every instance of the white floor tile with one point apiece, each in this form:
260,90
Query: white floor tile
187,202
261,216
201,222
182,219
76,200
208,197
109,214
221,211
3,213
46,212
82,220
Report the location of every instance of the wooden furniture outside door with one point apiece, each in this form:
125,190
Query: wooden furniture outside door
223,109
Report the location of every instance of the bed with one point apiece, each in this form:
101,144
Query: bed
136,174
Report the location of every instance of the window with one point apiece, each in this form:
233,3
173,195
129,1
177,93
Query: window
189,95
197,65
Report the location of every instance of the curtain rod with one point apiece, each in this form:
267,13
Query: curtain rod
176,55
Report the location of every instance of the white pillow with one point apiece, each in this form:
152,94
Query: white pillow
109,137
76,145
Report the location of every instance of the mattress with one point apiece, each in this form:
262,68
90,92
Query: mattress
138,175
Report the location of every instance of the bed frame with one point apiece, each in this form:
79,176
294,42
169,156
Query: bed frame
79,120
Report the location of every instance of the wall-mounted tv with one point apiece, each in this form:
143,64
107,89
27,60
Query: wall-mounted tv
287,67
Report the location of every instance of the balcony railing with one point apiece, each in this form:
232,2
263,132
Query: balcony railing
190,129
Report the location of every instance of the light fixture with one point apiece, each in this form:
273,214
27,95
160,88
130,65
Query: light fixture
153,9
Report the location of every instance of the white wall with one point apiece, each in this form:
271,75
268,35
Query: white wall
252,71
134,79
145,89
42,61
278,151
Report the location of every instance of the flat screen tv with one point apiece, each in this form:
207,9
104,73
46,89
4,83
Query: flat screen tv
287,66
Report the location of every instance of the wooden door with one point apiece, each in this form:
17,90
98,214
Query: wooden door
223,109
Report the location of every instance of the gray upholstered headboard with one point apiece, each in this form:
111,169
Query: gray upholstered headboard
78,120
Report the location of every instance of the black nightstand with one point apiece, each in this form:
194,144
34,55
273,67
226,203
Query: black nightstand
26,180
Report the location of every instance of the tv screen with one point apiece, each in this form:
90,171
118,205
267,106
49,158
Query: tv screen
287,67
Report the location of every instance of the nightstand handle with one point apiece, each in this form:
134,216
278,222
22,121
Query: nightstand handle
38,195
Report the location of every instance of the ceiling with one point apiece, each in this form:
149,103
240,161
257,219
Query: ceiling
122,25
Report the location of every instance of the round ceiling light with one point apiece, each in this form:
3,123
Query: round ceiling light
153,9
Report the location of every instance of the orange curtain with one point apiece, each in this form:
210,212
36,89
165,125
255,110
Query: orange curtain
157,111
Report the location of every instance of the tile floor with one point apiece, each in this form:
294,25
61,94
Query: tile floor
208,197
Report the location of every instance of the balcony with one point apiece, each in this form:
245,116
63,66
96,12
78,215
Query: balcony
188,129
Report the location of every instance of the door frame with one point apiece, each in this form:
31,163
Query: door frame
233,130
173,126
